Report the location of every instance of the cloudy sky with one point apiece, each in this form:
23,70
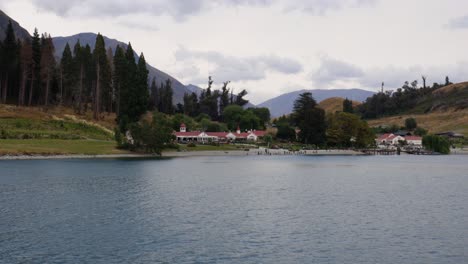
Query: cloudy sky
271,47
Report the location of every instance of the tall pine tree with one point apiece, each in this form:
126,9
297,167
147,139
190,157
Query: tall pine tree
36,67
102,81
154,97
134,94
310,119
142,91
47,65
66,73
120,72
10,62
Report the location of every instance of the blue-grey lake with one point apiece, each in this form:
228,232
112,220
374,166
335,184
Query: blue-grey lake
262,209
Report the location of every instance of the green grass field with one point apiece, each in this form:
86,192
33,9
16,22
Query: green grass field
22,128
57,147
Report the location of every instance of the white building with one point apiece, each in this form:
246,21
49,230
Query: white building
204,137
390,139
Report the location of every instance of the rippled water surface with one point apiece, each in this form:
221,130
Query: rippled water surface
405,209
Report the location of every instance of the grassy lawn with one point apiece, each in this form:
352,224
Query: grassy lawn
57,147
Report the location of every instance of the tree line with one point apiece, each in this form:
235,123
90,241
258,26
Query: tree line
211,102
84,79
387,103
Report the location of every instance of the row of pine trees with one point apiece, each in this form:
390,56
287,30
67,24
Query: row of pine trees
84,79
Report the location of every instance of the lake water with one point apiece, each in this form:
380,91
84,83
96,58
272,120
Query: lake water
395,209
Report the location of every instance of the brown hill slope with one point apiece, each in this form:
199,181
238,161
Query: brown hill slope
334,104
435,122
451,88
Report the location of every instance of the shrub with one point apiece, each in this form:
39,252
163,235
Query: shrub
410,123
436,143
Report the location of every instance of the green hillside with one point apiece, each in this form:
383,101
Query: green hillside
31,130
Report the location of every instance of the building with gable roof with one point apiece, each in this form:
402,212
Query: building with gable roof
184,136
390,139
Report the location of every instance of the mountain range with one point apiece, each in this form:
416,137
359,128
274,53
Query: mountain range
283,104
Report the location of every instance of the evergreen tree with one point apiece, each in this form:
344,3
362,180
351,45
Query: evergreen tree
213,105
103,77
309,119
447,81
166,92
126,73
2,68
195,104
240,98
66,75
133,88
154,97
142,91
205,98
112,92
36,66
224,98
89,77
47,65
78,77
179,108
188,104
301,105
120,75
348,106
209,101
10,62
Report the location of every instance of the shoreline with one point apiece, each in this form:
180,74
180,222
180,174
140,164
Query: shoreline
186,154
174,154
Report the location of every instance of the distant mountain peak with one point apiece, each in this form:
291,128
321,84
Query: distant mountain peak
20,32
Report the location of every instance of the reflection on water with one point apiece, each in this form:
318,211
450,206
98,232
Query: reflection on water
235,210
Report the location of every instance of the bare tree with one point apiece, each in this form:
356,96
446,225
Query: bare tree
424,81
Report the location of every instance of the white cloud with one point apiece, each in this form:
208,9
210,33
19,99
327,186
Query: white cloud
459,22
180,10
332,70
333,73
240,68
135,25
321,7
